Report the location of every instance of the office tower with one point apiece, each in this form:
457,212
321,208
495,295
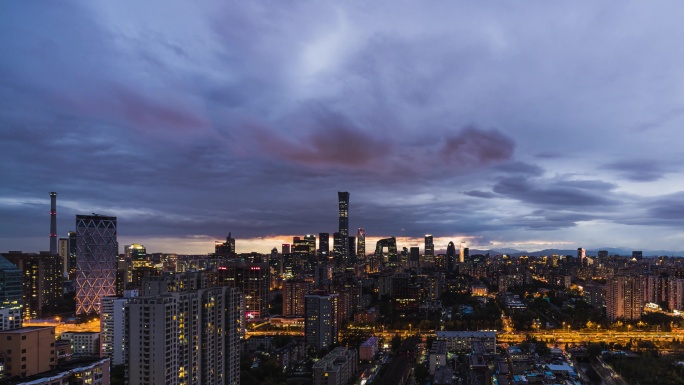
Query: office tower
294,291
252,279
285,247
638,255
304,245
351,247
53,223
28,351
337,246
624,298
11,290
414,257
323,246
135,252
321,320
225,249
389,244
581,254
184,337
429,246
451,256
461,255
42,281
361,244
343,200
96,252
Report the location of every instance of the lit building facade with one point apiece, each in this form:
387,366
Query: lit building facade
343,200
624,298
294,293
253,281
321,320
184,338
429,246
42,281
96,255
361,244
10,295
323,246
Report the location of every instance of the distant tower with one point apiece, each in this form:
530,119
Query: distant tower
429,246
343,200
461,256
361,244
451,256
323,246
53,223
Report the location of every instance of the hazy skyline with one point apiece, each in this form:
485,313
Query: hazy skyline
529,125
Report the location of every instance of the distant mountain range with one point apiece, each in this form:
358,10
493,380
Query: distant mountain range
573,252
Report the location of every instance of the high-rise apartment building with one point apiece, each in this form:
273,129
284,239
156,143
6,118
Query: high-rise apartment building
11,290
343,200
185,337
624,298
96,254
361,244
67,251
42,280
294,293
113,340
429,246
461,255
321,320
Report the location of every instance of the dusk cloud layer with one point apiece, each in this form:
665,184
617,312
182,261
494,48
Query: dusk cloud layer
528,125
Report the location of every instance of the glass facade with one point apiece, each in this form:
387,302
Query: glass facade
96,254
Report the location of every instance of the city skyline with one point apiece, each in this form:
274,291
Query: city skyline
550,127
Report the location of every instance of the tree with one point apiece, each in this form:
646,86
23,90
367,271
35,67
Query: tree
421,373
396,342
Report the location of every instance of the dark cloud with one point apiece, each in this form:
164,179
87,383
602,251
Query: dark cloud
249,117
639,170
334,141
557,193
480,194
474,147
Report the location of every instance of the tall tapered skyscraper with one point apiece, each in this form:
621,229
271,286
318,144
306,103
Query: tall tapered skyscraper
343,198
96,252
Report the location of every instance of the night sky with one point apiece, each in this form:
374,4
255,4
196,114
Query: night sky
526,125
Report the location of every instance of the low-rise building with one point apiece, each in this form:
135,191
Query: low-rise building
336,368
368,349
438,355
83,343
461,341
